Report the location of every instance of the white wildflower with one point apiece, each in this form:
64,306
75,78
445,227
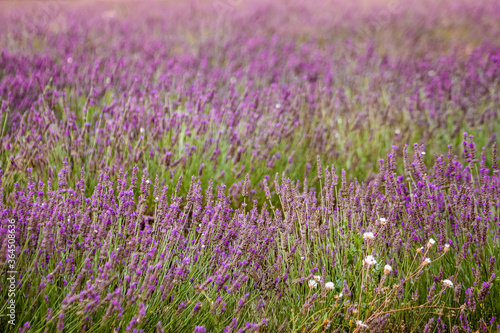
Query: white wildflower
446,247
370,260
431,242
448,283
329,285
387,269
426,262
317,277
382,221
368,236
312,283
360,323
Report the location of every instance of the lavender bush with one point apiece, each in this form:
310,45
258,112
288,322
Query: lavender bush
208,167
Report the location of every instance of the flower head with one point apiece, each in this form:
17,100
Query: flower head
387,269
426,262
448,283
368,236
329,285
446,247
312,283
431,242
370,260
317,277
382,221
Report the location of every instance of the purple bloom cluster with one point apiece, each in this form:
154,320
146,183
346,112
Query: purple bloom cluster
181,99
192,170
106,254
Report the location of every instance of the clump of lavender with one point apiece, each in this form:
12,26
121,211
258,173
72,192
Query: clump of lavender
134,165
470,299
200,257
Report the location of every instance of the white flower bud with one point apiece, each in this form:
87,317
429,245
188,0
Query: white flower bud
370,260
368,236
448,283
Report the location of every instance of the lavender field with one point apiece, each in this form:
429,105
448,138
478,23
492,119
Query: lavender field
250,166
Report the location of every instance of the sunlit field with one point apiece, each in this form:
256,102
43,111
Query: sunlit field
250,166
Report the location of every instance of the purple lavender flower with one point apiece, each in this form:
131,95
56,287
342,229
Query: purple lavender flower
200,329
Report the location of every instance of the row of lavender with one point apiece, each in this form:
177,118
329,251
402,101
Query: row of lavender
107,112
351,257
259,89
